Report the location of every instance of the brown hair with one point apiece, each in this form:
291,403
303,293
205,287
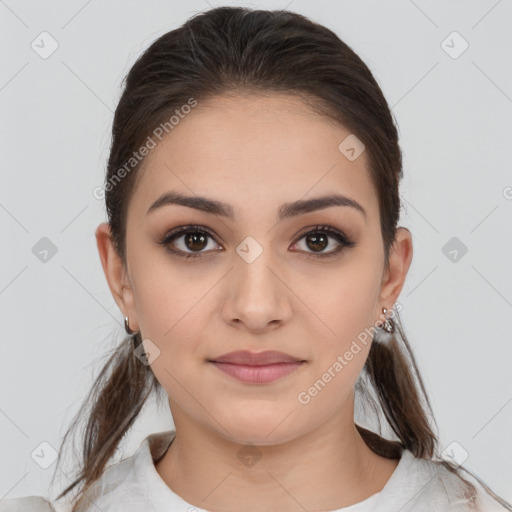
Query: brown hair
235,49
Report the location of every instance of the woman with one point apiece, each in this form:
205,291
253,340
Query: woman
252,246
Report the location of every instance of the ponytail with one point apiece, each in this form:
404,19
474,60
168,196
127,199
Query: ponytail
115,400
393,374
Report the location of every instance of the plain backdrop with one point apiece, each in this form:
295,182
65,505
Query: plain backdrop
451,95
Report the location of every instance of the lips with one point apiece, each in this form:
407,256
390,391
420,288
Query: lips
247,358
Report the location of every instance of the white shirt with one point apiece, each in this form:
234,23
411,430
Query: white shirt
134,485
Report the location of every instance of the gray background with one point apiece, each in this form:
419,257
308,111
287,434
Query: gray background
454,116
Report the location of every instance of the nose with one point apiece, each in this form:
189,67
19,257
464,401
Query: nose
257,295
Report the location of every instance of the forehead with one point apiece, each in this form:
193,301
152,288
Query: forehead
254,152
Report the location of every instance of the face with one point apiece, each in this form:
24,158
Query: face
307,282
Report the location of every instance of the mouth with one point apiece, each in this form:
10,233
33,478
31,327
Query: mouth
258,374
257,368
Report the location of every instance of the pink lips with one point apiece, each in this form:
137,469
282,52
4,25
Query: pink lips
256,368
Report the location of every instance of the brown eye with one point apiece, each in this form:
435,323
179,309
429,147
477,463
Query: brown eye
318,239
195,241
317,242
186,241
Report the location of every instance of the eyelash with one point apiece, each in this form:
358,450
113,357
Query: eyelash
341,238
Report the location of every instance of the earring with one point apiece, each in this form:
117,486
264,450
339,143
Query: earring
127,326
388,325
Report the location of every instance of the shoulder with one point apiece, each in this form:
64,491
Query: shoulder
431,485
123,483
116,481
32,503
120,483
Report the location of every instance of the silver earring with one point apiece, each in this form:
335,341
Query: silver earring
388,325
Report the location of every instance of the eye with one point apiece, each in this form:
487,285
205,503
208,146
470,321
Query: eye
195,239
318,239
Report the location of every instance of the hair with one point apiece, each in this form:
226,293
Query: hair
238,50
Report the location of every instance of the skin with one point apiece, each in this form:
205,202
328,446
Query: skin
256,153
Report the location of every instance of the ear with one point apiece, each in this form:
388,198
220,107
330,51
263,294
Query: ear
116,274
400,258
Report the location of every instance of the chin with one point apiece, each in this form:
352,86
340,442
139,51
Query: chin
268,431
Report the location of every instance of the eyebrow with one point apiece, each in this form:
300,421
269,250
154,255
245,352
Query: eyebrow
287,210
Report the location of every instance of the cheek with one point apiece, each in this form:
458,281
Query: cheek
169,297
347,302
346,306
338,358
171,310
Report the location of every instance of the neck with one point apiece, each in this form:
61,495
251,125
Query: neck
324,469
